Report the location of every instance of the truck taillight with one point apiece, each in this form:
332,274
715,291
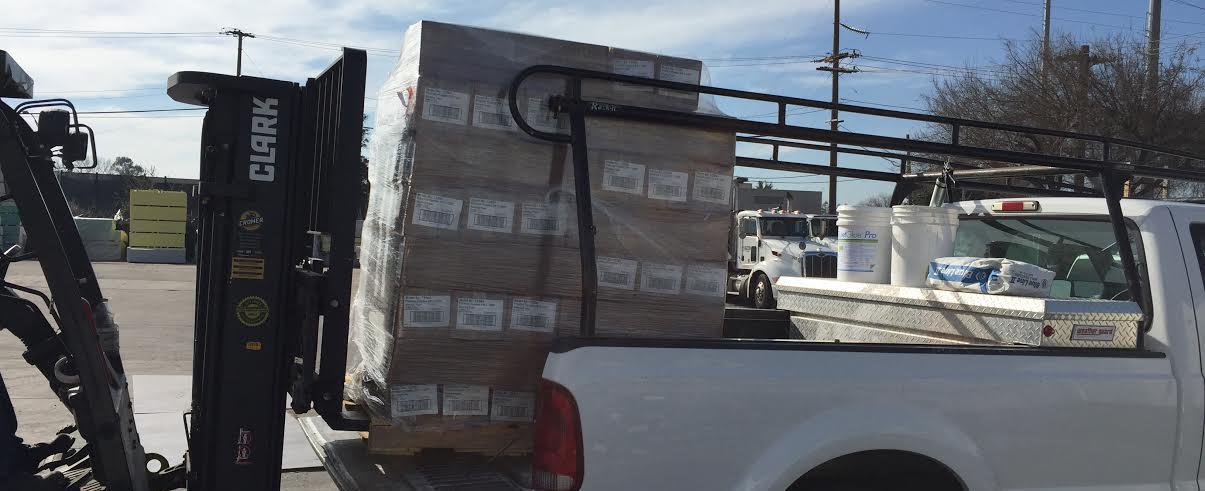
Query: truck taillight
557,460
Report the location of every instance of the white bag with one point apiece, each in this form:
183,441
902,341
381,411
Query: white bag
994,276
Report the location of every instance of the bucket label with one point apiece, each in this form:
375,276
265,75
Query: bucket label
856,250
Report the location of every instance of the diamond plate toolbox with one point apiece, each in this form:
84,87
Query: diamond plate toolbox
885,313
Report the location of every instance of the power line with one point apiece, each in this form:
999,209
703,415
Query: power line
760,58
793,112
886,105
1063,19
940,36
1101,12
1193,5
131,111
76,31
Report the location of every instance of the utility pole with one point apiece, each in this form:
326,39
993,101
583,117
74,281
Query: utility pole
1153,21
1152,45
1046,37
238,70
834,121
1084,61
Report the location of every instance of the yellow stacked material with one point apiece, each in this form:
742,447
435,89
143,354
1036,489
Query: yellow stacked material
158,219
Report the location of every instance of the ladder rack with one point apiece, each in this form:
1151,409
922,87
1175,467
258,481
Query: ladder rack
1112,174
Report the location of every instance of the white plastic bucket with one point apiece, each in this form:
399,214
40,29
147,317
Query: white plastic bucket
920,234
864,244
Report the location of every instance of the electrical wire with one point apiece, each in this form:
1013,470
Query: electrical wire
792,112
942,36
1101,12
886,105
1061,19
1193,5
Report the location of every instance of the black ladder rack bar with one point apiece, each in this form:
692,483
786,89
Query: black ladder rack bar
579,109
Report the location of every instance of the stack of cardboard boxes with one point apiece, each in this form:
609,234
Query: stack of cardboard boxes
157,224
10,225
102,239
470,260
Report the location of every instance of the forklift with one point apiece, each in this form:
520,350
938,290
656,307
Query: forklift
274,258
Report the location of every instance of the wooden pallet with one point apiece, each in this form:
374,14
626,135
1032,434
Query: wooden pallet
488,439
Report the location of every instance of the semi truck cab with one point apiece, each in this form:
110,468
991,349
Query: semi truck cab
767,244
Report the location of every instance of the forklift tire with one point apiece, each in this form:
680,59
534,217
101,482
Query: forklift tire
761,294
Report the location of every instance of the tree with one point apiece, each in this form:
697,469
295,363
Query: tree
765,185
125,166
881,200
1098,88
133,176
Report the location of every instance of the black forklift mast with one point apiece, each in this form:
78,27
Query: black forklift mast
280,179
80,360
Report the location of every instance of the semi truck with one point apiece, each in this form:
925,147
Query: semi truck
768,244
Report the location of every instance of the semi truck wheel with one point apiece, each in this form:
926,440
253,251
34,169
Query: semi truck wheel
763,295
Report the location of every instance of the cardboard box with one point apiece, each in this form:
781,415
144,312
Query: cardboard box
470,258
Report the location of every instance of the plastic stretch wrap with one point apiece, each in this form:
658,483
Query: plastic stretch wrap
469,253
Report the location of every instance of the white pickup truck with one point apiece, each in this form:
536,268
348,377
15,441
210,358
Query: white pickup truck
731,414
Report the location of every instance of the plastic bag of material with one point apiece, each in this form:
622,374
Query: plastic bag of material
993,276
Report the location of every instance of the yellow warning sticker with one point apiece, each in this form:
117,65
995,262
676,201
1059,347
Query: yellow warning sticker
254,346
246,268
251,311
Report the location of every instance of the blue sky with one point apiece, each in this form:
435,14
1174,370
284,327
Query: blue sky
902,55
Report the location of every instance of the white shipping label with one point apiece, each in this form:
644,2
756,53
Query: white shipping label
702,280
633,68
491,112
491,215
667,184
661,278
614,272
681,75
446,106
466,400
507,405
437,211
532,314
542,219
479,314
712,187
623,177
540,117
413,400
426,310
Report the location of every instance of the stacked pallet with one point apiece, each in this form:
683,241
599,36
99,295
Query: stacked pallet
102,239
158,220
470,260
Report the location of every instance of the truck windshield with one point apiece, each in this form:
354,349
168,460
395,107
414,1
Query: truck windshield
823,227
1082,252
784,227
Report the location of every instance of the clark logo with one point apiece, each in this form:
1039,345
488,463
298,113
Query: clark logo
250,220
251,311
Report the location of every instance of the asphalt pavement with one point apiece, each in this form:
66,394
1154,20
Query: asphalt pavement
153,305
